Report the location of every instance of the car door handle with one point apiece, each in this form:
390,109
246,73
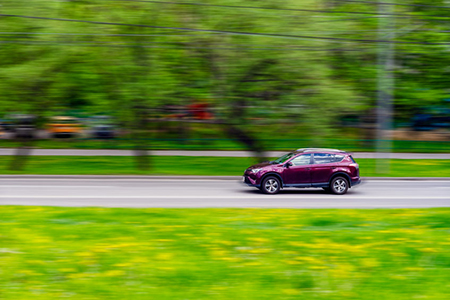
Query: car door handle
332,168
308,169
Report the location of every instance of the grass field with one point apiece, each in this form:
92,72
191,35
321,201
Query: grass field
179,165
97,253
281,144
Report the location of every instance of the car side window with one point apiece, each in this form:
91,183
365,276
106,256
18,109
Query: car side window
337,158
324,158
302,160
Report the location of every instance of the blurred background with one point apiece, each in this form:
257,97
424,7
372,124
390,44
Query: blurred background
226,75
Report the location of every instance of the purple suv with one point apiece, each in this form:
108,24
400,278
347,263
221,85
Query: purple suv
333,170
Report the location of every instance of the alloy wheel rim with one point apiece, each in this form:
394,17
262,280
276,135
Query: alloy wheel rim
340,185
271,185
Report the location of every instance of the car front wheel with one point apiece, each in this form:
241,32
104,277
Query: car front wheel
271,185
339,185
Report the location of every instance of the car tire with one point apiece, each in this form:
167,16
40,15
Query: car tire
271,185
339,185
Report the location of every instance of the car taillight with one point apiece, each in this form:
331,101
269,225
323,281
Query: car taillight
354,165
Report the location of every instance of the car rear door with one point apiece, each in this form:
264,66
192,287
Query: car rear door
323,167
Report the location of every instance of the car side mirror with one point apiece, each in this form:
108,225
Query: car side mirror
287,165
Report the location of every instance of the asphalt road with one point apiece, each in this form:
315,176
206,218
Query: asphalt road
87,152
189,193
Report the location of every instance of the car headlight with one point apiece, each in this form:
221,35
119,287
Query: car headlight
256,171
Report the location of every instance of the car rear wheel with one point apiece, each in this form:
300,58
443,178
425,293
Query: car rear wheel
271,185
339,185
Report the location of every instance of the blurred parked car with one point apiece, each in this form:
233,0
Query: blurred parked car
103,132
333,170
102,127
63,126
200,111
23,126
7,124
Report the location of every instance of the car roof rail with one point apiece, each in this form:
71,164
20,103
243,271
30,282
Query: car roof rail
321,149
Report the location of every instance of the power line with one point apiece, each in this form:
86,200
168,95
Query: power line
396,4
276,35
343,32
194,35
279,9
179,46
98,34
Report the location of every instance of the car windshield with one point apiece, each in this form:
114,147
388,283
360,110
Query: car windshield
284,158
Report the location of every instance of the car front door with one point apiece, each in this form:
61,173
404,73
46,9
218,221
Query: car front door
298,170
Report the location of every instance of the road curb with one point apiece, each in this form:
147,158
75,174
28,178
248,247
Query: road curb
190,177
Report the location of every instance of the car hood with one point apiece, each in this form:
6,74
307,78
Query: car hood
259,166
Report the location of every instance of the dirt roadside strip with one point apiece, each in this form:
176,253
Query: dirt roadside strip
105,152
178,177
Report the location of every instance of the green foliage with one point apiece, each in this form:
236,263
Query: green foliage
76,66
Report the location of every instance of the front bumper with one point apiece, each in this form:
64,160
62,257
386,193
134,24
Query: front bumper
249,181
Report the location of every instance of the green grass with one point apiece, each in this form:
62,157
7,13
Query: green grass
97,253
179,165
281,144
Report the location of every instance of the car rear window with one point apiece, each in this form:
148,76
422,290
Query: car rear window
325,158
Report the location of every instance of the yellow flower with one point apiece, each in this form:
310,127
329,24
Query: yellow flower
252,263
259,240
231,259
76,275
29,272
228,243
292,262
84,254
317,267
291,292
298,244
113,273
342,271
139,260
123,265
67,270
309,259
259,251
398,277
369,263
164,256
429,250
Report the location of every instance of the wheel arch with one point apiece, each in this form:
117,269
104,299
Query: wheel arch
343,174
272,174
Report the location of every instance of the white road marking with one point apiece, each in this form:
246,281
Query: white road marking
237,180
263,197
56,186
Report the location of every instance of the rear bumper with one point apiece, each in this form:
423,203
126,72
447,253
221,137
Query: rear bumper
356,182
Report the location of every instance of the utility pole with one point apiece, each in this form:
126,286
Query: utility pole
386,61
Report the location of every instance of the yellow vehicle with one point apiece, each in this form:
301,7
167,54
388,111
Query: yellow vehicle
62,126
